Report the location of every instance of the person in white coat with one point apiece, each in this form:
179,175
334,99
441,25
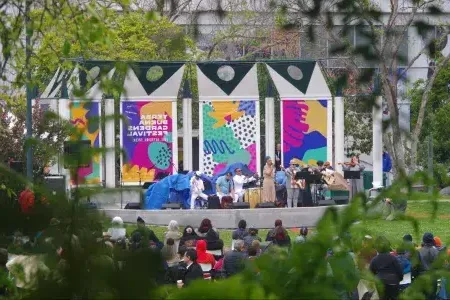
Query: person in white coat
197,188
239,180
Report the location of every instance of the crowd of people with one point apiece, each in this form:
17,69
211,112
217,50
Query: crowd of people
199,253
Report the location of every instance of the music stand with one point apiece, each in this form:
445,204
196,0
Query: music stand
352,174
310,178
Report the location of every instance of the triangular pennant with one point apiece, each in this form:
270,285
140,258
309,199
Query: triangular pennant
297,73
92,71
152,84
232,79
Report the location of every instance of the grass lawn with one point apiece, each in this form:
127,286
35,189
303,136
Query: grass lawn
394,230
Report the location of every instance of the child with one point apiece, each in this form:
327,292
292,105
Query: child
302,236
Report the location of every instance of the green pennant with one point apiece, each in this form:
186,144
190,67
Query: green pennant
237,73
150,80
86,80
300,79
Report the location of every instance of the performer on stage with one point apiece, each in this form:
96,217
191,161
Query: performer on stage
278,157
239,180
225,185
197,188
292,186
269,183
356,185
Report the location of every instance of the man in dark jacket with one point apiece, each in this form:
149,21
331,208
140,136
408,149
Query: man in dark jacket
387,167
387,268
427,256
148,236
193,270
233,262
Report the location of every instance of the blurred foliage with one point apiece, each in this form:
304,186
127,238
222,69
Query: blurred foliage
436,121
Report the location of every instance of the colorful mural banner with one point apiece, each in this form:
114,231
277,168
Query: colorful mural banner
304,132
85,116
230,134
146,137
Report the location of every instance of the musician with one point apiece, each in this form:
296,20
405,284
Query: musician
293,186
239,180
269,194
278,158
197,188
225,185
356,185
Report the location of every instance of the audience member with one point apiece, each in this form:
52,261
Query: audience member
253,236
301,238
403,258
252,252
387,268
438,244
147,235
241,232
169,252
210,235
257,245
270,234
117,231
202,256
427,256
189,238
281,237
233,261
367,252
193,269
173,232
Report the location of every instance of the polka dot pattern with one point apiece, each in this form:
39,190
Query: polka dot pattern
244,130
209,164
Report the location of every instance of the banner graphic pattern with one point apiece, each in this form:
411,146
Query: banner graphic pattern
304,131
146,140
85,115
229,134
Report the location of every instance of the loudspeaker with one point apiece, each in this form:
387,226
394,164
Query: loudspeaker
266,205
147,185
241,205
55,184
214,202
133,205
74,154
171,206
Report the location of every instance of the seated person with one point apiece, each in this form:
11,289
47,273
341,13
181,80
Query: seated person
202,256
270,234
234,261
238,182
116,231
169,252
197,188
301,238
193,269
241,232
281,237
147,235
225,186
253,235
210,235
189,238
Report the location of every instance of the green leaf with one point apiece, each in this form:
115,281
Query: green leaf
66,48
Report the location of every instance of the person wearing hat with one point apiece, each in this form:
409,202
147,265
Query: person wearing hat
238,181
197,188
293,186
147,235
269,193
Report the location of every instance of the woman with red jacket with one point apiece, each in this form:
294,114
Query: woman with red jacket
202,256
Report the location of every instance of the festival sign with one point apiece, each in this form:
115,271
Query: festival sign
84,116
146,137
230,134
304,130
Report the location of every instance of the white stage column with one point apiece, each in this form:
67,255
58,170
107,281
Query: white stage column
270,126
187,134
377,148
110,137
339,133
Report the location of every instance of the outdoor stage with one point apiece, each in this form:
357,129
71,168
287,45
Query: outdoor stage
225,218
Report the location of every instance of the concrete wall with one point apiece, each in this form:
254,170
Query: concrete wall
260,218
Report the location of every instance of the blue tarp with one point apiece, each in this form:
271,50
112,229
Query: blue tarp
176,188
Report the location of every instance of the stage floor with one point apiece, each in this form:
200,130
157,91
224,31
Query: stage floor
225,218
